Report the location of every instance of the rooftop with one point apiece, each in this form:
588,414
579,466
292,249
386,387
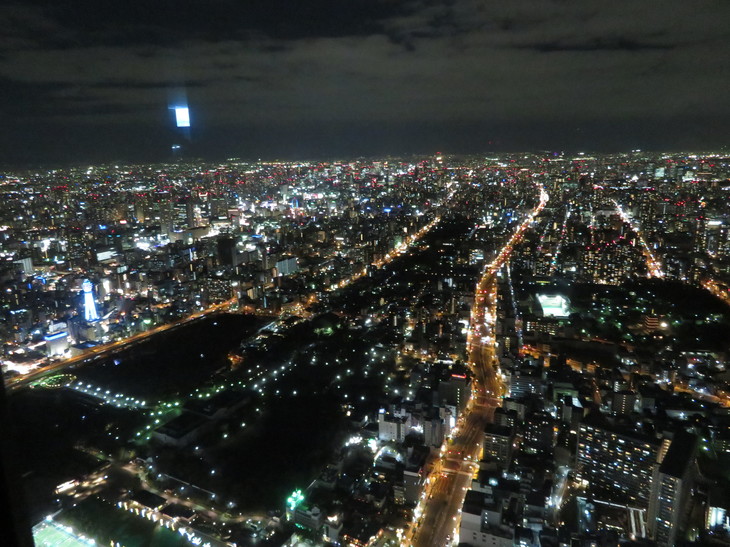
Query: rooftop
680,454
182,425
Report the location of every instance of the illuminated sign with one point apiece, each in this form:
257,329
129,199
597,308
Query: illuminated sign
295,499
182,116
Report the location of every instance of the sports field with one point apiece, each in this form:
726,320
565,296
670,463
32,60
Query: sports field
50,533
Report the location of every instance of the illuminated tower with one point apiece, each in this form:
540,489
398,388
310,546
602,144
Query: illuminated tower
90,313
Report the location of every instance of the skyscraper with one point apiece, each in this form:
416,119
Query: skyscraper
671,488
90,313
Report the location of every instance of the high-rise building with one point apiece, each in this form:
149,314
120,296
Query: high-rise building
717,512
498,443
540,434
227,252
505,418
617,464
454,391
482,521
24,265
671,488
286,266
433,431
623,402
391,428
524,382
56,339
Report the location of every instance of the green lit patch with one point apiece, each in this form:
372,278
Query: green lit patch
54,382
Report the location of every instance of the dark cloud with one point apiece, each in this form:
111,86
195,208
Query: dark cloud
599,44
20,97
90,22
125,84
455,73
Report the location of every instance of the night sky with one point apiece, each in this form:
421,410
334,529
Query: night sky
94,80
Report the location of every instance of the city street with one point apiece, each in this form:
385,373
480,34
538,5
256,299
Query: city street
437,516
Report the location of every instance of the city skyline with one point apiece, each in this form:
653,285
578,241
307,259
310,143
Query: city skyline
522,349
365,273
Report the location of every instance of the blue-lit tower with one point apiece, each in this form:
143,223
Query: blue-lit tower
90,313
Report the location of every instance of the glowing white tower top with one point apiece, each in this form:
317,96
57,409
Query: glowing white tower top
90,313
